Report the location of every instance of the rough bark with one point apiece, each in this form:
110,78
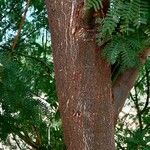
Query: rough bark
83,79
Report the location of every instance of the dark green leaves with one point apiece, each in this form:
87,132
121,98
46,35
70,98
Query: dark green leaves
96,4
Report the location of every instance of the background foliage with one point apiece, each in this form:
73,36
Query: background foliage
28,101
133,128
29,116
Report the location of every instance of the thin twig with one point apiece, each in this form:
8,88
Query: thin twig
148,91
14,137
140,81
138,110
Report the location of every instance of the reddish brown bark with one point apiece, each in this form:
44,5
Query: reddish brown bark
83,79
124,84
121,89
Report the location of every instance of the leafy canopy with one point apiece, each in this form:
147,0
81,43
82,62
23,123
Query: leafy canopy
125,30
28,101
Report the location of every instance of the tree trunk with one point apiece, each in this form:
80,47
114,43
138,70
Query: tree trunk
83,79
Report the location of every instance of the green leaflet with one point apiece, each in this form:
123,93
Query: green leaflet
96,4
125,29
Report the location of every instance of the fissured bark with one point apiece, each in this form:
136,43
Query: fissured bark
83,79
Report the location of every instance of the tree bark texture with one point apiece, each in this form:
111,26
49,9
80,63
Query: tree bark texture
83,79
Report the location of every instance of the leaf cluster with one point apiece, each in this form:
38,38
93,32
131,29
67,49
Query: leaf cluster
126,22
27,87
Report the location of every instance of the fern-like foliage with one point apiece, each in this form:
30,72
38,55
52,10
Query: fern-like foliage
96,4
123,17
125,30
125,50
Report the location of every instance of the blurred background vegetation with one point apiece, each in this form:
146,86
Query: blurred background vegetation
29,116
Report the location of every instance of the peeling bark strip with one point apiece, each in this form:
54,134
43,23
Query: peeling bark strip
83,79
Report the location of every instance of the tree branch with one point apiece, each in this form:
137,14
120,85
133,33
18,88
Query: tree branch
138,109
140,80
27,140
122,87
37,136
18,144
21,25
148,91
124,84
